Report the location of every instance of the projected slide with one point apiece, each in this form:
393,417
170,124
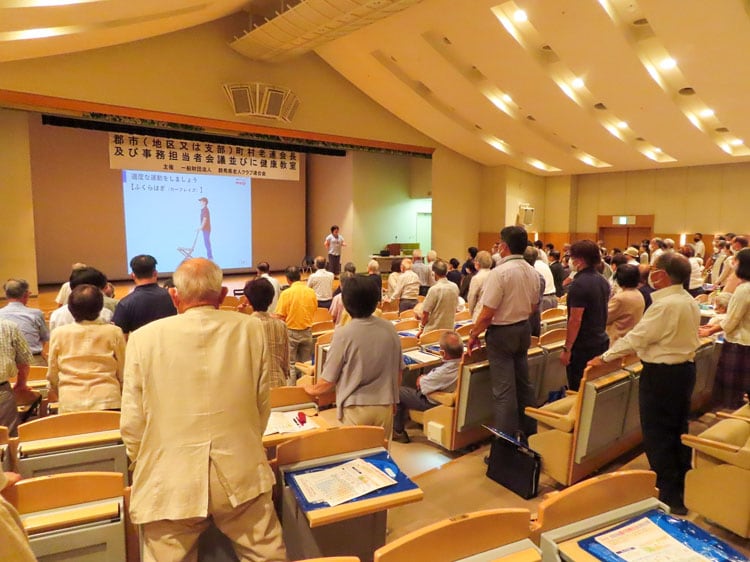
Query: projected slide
177,216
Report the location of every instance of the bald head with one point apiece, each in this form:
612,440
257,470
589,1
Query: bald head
197,282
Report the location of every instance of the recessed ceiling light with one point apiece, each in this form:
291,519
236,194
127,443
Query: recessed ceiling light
708,112
668,64
736,142
577,83
622,125
507,98
520,16
657,149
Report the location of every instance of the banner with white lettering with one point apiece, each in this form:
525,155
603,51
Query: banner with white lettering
142,152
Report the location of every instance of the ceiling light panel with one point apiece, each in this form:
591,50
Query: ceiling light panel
665,70
571,84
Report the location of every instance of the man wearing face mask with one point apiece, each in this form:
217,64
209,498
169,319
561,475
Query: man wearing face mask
587,312
665,340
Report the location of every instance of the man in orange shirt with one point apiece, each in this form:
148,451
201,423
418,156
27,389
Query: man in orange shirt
296,307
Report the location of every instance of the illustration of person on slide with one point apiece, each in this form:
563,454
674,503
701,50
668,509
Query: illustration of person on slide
206,226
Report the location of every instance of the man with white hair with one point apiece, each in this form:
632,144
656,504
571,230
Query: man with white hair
194,407
29,320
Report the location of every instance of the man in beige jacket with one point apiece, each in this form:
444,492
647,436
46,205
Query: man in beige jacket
195,405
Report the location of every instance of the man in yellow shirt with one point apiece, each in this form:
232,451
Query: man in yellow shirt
296,307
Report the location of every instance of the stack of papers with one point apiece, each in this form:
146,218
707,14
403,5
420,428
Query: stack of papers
342,483
419,357
288,422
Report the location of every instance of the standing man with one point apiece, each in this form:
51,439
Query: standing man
205,226
264,272
15,358
439,306
558,272
334,242
147,302
322,283
296,307
194,408
29,320
588,295
511,295
665,340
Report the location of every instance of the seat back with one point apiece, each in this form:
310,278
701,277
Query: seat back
284,398
706,361
459,537
474,386
74,423
432,336
594,496
323,326
322,315
69,515
408,342
555,375
536,373
335,441
463,315
409,324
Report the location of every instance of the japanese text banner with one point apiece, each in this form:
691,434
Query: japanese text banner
141,152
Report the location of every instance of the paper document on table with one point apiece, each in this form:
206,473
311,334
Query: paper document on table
288,422
421,356
342,483
644,540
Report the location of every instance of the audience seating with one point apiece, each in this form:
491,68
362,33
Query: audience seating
322,326
231,301
585,430
718,486
555,375
409,342
408,324
74,516
287,398
457,421
406,314
74,442
390,316
465,331
554,319
706,361
463,315
462,536
537,363
590,498
6,461
433,336
322,315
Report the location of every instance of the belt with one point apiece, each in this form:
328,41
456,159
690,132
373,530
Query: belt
508,325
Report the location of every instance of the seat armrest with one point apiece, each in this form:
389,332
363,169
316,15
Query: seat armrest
732,454
444,398
563,422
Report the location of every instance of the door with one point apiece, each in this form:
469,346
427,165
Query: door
424,232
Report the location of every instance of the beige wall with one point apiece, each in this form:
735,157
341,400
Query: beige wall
183,72
18,256
78,206
383,210
457,203
693,199
329,202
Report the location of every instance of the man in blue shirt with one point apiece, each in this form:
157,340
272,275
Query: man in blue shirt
147,302
29,320
442,377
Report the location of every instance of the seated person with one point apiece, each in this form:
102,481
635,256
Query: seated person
442,377
322,283
86,359
260,292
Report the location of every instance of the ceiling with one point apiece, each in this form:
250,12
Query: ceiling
548,86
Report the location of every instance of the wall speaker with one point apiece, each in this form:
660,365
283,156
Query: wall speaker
526,215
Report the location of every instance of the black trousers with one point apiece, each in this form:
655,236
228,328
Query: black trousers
579,356
664,399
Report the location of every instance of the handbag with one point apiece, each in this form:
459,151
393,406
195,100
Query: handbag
514,465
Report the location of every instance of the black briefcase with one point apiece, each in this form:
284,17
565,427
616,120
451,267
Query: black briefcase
513,465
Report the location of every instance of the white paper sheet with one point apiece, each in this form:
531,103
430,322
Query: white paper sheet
342,483
288,422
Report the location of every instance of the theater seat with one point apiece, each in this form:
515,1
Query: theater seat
718,486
